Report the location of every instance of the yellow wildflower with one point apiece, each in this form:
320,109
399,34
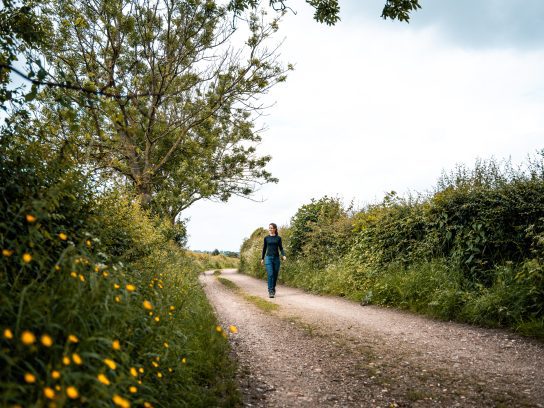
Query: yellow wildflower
8,334
159,374
105,274
72,392
184,360
7,252
157,318
141,370
218,329
233,329
30,218
77,359
28,338
116,286
57,268
172,308
103,379
27,258
133,372
147,405
133,389
165,344
49,393
73,339
117,299
66,360
88,243
63,236
110,363
116,345
81,278
55,374
147,305
73,274
120,401
131,288
30,378
46,340
155,364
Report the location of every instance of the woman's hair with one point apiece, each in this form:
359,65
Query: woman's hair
275,227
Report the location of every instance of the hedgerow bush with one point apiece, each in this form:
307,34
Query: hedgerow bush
97,307
470,250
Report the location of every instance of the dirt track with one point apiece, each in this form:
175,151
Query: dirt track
318,351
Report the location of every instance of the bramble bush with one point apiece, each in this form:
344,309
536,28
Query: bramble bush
471,250
97,306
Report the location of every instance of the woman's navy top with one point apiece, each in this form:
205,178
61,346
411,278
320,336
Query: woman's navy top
272,246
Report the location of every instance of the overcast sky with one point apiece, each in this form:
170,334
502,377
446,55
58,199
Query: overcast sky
375,106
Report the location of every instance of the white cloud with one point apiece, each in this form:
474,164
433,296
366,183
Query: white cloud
374,106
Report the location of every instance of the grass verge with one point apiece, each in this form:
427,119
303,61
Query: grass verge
261,303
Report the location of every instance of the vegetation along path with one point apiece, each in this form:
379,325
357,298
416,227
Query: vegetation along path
301,349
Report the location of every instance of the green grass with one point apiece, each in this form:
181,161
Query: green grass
229,284
261,303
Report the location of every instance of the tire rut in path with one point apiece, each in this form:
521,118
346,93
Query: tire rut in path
324,351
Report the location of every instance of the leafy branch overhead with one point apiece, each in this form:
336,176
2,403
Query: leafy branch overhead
328,11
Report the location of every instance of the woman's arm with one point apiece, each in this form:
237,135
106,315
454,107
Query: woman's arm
264,250
281,248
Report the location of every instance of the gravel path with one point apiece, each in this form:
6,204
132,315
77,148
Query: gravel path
319,351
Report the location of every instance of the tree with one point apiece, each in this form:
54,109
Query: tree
179,123
215,252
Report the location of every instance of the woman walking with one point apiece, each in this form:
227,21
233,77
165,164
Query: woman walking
272,248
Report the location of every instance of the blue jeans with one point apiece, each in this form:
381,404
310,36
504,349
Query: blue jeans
272,265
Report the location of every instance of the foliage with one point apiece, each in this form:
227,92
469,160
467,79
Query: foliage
328,11
311,229
22,29
96,305
207,261
400,9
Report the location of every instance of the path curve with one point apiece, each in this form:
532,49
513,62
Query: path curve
321,351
